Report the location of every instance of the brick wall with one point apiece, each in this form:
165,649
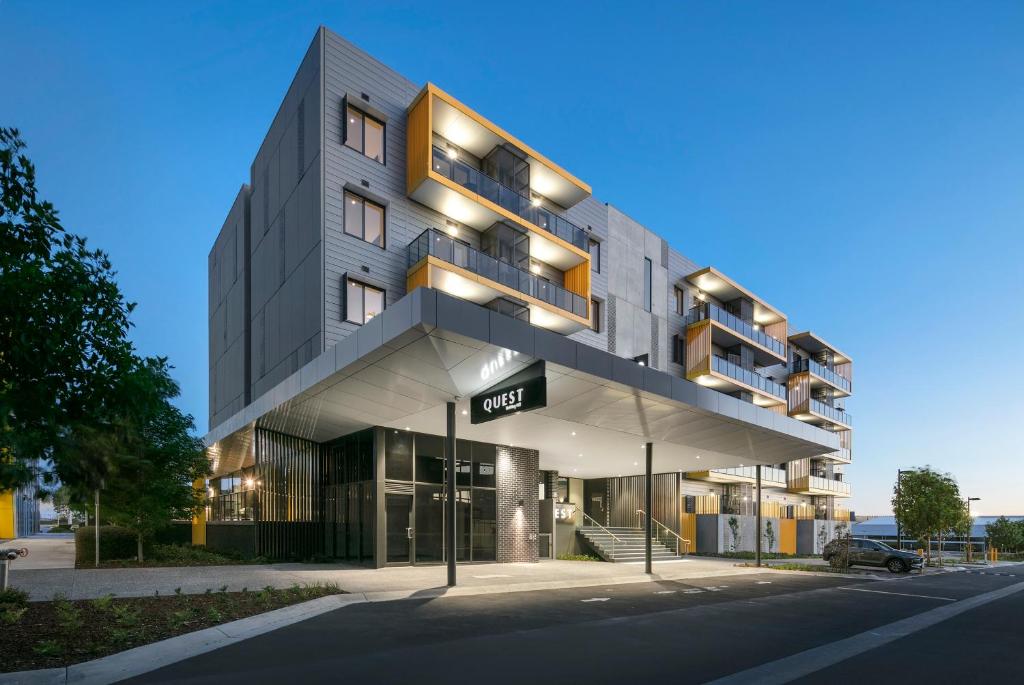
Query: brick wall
517,526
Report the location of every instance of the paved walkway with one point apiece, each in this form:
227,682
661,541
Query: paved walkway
374,583
45,551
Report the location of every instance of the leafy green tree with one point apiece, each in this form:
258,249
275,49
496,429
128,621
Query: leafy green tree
63,331
155,456
1005,534
927,504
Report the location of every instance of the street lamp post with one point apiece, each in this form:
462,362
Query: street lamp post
970,545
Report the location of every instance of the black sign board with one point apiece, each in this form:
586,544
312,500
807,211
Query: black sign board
523,391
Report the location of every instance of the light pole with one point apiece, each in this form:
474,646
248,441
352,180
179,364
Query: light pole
899,528
970,530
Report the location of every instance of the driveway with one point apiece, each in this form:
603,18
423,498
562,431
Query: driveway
45,551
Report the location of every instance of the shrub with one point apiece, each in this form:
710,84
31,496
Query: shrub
13,598
115,543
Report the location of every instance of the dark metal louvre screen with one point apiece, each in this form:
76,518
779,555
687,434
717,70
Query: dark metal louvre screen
626,496
290,472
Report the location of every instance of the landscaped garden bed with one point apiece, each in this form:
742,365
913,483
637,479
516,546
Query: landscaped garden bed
62,632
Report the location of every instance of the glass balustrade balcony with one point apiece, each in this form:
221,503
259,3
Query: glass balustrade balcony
831,413
749,378
707,310
433,243
769,474
824,372
503,196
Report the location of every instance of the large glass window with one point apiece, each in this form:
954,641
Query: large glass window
398,455
362,302
647,284
484,465
429,458
364,219
485,525
364,134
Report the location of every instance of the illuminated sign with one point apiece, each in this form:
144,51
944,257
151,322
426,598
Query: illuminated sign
524,391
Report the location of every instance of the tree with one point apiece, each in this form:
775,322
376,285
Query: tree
63,331
1005,534
62,504
155,458
734,527
927,504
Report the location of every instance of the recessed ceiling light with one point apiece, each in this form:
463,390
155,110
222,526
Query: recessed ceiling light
634,463
581,454
574,433
406,428
698,456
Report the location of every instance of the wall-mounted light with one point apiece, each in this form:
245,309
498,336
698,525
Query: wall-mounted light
520,504
757,326
452,229
701,296
535,267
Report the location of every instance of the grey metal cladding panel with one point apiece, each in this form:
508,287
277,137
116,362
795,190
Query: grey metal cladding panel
628,372
461,316
656,381
511,333
554,347
593,361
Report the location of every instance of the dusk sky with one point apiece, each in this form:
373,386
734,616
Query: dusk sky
859,165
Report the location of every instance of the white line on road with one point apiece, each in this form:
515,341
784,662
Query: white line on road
901,594
692,592
665,592
764,582
494,575
596,599
810,661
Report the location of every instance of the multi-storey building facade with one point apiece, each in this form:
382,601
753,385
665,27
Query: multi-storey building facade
395,251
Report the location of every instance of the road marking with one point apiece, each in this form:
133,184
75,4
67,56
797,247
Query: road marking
901,594
665,592
596,599
810,661
692,592
764,582
494,575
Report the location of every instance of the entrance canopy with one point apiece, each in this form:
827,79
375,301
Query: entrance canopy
401,368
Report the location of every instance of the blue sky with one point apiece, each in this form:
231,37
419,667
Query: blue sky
859,165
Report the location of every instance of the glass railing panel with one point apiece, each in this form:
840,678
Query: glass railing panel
831,413
751,378
436,244
503,196
707,310
822,372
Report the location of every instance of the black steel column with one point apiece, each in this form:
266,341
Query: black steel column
449,500
757,556
648,505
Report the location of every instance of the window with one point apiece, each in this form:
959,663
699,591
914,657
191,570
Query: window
364,134
362,302
647,284
364,219
595,316
680,301
595,256
677,349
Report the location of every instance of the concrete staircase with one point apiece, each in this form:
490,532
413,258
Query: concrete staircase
628,547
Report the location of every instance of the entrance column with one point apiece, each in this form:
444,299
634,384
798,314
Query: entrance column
648,497
449,500
758,524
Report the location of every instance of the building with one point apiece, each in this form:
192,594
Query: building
395,251
884,529
19,512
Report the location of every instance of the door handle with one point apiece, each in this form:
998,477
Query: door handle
408,533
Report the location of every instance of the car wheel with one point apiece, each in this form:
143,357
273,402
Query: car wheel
896,566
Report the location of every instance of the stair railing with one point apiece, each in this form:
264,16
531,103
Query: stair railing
640,513
611,534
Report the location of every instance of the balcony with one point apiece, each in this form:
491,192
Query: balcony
842,385
816,485
486,187
841,456
439,261
750,379
438,178
771,477
730,328
830,413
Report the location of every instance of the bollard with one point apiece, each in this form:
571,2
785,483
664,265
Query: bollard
6,557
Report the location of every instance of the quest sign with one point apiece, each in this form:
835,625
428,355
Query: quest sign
523,391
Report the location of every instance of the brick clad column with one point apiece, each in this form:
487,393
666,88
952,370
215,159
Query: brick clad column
517,473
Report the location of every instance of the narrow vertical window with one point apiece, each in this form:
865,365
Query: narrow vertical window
647,284
354,129
680,301
595,256
595,316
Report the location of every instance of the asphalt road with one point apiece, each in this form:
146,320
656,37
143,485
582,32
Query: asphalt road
759,628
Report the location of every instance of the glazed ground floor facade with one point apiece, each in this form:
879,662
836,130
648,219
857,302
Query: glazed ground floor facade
377,497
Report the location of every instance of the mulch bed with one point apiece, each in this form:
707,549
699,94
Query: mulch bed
60,633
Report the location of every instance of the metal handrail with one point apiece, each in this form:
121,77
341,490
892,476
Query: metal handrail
613,536
677,536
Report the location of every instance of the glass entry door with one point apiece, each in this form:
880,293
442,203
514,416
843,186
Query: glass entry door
398,513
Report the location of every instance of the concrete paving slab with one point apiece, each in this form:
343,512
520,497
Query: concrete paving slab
45,551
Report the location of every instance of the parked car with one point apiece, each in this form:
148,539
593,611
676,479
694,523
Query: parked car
864,552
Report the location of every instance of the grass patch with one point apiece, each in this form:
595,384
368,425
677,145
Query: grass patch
578,557
180,555
793,566
51,635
